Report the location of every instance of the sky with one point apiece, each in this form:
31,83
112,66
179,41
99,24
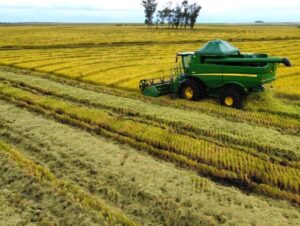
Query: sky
131,11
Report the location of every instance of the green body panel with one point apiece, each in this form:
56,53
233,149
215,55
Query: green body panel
210,74
216,74
217,65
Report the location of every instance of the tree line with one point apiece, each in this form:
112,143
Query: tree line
183,15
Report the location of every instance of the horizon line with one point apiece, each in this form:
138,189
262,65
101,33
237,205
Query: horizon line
258,22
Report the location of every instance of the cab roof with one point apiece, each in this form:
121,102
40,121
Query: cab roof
185,53
217,48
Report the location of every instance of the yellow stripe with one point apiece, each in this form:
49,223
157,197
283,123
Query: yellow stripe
241,75
234,75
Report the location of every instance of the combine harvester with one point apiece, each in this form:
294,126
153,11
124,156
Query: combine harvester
217,69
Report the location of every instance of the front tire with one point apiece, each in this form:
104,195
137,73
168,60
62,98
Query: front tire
192,90
231,97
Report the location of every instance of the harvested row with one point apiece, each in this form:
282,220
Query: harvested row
27,201
210,159
65,188
275,154
149,191
138,109
143,205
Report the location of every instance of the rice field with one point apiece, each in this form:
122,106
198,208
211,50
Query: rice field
79,145
120,57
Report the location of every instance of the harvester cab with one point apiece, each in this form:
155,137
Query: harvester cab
217,69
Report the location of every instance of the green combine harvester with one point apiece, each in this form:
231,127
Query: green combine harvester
217,69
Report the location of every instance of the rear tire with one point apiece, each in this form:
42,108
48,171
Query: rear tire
192,89
232,97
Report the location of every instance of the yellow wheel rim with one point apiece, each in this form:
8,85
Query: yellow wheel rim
229,101
188,93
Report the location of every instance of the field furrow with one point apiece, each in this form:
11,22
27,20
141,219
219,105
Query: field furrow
209,158
136,183
148,190
67,190
192,123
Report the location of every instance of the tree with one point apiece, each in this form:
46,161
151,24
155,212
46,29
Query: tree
149,9
168,15
194,13
185,13
177,16
161,17
157,20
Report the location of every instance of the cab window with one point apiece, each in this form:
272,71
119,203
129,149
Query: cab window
187,61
